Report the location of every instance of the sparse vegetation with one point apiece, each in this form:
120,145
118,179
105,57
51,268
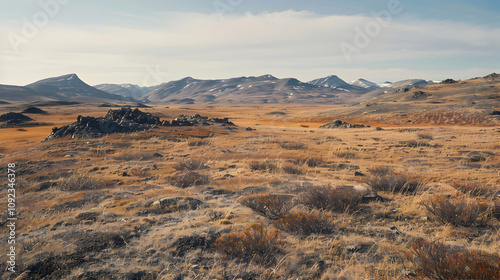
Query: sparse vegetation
271,206
257,242
292,145
189,179
266,165
457,212
292,169
305,223
189,164
386,179
474,188
435,260
339,199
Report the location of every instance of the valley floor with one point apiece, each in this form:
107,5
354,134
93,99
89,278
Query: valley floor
223,203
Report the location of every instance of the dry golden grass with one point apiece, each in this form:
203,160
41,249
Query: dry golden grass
116,185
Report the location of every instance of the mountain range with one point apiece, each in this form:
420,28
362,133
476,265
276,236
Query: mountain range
245,90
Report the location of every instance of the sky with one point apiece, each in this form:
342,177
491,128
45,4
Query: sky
149,42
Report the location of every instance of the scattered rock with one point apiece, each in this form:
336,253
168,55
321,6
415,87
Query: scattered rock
168,205
357,173
420,94
250,129
34,110
157,155
341,124
198,120
193,242
495,113
475,157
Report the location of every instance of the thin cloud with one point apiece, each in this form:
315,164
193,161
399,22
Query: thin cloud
191,44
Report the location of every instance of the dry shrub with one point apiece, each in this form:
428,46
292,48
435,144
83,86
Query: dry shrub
474,188
292,145
340,199
264,166
345,154
194,142
255,243
461,212
309,161
305,223
292,169
434,260
189,179
81,182
271,206
134,156
425,136
386,179
189,164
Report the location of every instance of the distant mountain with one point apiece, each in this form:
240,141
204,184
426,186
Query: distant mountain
334,82
365,84
247,90
384,84
408,83
126,90
70,87
17,93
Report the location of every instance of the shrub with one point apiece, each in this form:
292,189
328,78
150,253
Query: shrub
81,182
194,142
473,188
264,166
189,179
256,242
309,161
386,179
425,136
339,199
463,212
305,223
189,164
271,206
292,145
292,169
434,260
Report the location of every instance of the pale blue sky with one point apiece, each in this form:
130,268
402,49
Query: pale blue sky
153,41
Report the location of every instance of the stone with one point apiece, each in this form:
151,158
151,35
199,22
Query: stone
341,124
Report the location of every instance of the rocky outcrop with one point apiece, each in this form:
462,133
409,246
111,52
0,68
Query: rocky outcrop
11,119
197,120
341,124
126,120
420,94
